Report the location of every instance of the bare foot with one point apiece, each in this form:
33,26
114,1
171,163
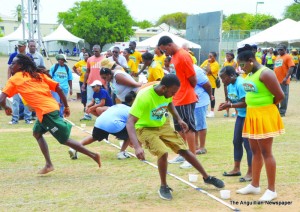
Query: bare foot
97,159
46,170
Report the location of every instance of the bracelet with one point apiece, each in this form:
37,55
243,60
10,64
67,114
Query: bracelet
231,105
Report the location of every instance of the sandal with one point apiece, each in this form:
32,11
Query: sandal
201,151
245,179
232,174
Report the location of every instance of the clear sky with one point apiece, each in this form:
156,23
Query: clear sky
152,9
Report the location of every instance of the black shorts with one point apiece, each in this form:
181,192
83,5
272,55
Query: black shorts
186,112
99,134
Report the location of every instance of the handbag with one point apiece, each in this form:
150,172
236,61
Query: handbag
218,81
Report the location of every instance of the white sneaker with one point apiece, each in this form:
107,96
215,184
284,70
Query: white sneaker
186,165
211,114
249,189
123,155
73,154
268,195
178,159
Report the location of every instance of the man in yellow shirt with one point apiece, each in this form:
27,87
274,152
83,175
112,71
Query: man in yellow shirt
296,58
155,70
136,56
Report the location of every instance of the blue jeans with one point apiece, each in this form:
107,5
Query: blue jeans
16,108
238,141
61,105
284,103
89,94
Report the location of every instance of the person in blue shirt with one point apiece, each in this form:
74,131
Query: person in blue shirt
19,111
101,99
236,96
62,74
112,121
203,91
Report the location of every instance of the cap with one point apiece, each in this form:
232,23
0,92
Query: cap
96,82
294,50
281,46
61,57
106,63
22,43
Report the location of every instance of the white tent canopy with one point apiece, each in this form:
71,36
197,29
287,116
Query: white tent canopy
17,35
61,34
153,41
284,31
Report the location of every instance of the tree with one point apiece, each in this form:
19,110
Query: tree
177,20
98,21
292,12
245,21
142,24
1,33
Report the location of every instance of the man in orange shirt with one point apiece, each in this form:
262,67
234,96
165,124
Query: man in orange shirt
185,99
35,87
283,69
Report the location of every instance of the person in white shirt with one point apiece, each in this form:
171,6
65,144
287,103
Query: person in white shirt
118,59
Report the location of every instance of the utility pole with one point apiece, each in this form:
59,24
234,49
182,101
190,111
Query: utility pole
23,21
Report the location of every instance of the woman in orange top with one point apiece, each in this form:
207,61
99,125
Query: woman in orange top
35,88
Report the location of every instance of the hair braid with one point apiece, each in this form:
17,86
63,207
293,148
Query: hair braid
28,66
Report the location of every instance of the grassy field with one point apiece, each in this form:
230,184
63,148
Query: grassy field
131,185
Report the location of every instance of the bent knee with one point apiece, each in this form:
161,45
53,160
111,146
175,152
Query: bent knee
37,135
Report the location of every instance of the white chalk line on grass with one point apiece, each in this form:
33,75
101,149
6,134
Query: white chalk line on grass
173,175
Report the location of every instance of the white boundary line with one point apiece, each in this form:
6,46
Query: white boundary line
173,175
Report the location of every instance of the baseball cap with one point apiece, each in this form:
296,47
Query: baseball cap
96,82
22,43
106,63
294,50
61,57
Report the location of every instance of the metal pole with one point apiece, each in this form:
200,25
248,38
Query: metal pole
29,8
38,25
23,21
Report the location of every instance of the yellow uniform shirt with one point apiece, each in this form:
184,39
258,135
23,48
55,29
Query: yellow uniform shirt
295,58
214,67
132,67
81,68
232,63
155,72
136,57
160,59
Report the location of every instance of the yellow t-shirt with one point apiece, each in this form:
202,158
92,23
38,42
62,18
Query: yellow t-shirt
194,59
258,59
81,67
132,67
214,67
155,72
136,57
160,59
232,63
296,58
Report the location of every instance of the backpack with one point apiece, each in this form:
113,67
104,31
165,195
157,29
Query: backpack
56,67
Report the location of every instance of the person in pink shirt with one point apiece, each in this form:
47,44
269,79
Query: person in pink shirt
92,74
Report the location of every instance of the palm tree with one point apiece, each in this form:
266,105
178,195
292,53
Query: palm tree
18,12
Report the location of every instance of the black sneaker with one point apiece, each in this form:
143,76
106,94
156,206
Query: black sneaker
165,192
214,181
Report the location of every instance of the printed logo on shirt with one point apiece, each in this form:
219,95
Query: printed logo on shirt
97,100
96,65
158,113
249,87
233,97
61,75
132,57
278,63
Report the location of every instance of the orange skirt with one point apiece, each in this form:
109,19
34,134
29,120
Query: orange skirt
263,122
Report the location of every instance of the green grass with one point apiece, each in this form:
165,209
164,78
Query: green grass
131,185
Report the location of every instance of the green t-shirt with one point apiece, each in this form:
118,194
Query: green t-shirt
149,108
257,94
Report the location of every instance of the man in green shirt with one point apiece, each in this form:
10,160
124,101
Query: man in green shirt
147,123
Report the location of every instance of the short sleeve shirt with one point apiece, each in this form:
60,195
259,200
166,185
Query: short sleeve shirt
62,76
236,92
102,94
155,72
149,108
81,67
182,64
94,64
281,67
